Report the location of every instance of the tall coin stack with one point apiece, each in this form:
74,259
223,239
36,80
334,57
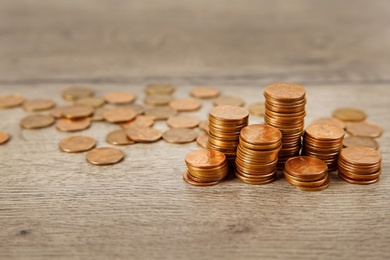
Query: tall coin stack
323,141
257,154
285,110
360,165
225,124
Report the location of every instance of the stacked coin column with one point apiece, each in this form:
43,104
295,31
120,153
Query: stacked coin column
257,154
225,124
285,110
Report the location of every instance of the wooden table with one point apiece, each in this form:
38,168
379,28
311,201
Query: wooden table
57,206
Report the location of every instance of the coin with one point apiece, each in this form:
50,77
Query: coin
183,121
119,115
11,101
160,113
94,102
325,132
306,168
228,100
120,97
4,137
159,89
143,134
350,114
204,125
56,112
38,104
138,109
76,111
139,121
185,104
36,121
364,129
260,134
104,156
118,137
360,141
257,109
77,144
189,180
205,159
361,155
158,100
72,125
179,135
229,113
74,93
204,92
283,91
202,140
330,121
98,114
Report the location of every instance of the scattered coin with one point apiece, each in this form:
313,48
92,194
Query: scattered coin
98,114
204,92
56,112
202,140
4,137
36,121
204,125
94,102
119,115
257,109
11,101
350,114
104,156
330,121
139,121
364,129
179,135
158,100
76,111
159,89
38,104
228,100
118,137
77,144
143,134
73,125
138,109
160,113
350,141
120,97
185,104
183,121
74,93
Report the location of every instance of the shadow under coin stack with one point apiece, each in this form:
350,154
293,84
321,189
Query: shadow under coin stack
205,167
285,110
307,173
360,165
225,124
323,141
257,154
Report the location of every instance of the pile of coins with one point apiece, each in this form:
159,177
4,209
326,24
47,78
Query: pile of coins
225,124
257,154
205,167
285,110
360,165
323,141
306,173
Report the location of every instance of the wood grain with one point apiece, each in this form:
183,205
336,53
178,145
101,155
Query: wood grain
56,205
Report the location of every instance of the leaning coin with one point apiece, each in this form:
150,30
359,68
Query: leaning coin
77,144
36,121
143,134
104,156
179,135
202,140
11,100
4,137
118,137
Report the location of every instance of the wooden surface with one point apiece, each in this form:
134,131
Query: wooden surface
57,206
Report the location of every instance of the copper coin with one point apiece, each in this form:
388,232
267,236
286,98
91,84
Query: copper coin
143,134
11,100
285,91
57,112
204,92
76,111
94,102
185,104
325,132
4,137
74,93
158,100
77,144
305,167
319,188
204,125
364,129
119,115
160,113
202,140
118,137
228,100
360,141
350,114
189,180
138,109
205,159
36,121
330,121
139,121
104,156
260,134
360,155
179,135
352,181
38,104
257,109
120,97
229,113
98,114
159,89
183,121
72,125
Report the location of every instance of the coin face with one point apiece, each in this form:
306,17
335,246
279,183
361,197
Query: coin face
361,155
364,129
228,100
160,113
74,93
36,121
38,104
143,134
76,111
360,141
94,102
159,89
11,100
139,121
330,121
72,125
205,159
325,132
185,104
350,114
119,115
104,156
77,144
285,91
260,134
179,135
257,109
305,166
119,97
229,113
158,100
4,137
118,137
202,140
204,92
183,121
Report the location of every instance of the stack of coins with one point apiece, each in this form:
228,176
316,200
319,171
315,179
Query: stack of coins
324,142
307,173
225,124
205,167
360,165
285,110
257,154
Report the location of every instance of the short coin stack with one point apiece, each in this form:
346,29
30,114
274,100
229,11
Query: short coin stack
257,154
285,110
205,167
360,165
225,124
323,141
307,173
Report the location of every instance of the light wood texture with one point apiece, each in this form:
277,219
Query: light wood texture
56,205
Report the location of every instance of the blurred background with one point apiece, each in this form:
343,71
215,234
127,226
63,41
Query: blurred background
109,41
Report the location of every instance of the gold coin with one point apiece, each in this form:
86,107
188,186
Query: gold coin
159,89
350,114
185,104
329,120
4,137
11,100
76,111
360,141
38,104
104,156
139,121
74,93
94,102
257,109
36,121
160,113
364,129
118,137
204,92
77,144
179,135
143,134
120,97
119,115
158,100
202,140
72,125
183,121
228,100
